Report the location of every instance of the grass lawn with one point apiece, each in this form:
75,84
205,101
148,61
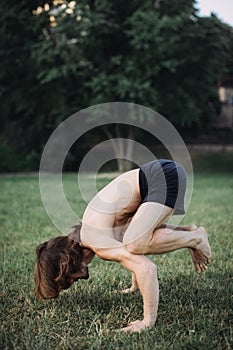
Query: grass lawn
195,311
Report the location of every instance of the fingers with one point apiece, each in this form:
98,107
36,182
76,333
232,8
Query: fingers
136,326
133,327
127,291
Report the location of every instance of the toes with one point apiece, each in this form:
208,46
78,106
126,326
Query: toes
197,268
201,267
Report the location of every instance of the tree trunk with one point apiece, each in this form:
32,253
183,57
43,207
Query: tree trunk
123,147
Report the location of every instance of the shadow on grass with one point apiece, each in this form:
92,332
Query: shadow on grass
189,304
195,312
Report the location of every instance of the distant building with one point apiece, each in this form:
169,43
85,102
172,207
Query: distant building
225,118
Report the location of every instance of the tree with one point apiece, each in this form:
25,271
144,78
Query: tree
186,56
96,46
28,114
60,57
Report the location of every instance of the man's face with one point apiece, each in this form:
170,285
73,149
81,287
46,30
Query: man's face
80,273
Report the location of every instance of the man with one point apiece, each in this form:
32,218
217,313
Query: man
124,222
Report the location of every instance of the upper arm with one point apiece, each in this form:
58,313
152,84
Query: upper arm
142,267
114,252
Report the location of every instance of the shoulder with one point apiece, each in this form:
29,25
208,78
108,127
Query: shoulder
96,234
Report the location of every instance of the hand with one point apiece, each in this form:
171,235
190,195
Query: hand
133,287
129,290
136,326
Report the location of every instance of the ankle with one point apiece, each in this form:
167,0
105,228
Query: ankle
196,241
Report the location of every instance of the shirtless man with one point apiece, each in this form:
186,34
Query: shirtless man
124,222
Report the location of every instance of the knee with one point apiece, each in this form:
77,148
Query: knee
134,248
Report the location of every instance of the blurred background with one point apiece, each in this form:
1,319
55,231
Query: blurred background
58,57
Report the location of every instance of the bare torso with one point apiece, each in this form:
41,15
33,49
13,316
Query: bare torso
111,209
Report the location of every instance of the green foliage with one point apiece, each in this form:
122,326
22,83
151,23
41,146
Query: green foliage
12,161
195,311
9,160
152,54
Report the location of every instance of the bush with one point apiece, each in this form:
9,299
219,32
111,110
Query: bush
12,161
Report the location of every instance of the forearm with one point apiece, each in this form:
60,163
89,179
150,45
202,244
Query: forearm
149,287
146,277
134,285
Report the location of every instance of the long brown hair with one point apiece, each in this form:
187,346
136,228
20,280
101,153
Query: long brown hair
56,264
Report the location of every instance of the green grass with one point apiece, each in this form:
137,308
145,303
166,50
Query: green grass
195,311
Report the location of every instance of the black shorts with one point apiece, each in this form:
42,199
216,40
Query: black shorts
163,181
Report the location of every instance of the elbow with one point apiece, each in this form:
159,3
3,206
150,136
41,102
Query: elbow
148,269
152,269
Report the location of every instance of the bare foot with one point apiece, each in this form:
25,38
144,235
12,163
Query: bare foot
201,255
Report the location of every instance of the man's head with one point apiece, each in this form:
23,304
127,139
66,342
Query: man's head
59,264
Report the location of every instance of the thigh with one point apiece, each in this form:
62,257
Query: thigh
148,216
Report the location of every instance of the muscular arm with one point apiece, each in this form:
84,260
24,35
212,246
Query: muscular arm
145,274
133,287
